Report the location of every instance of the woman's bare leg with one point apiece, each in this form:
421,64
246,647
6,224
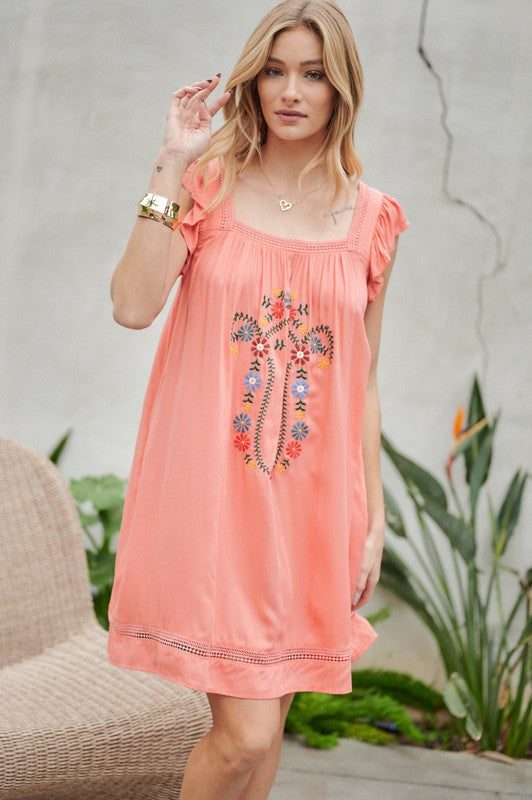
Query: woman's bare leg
262,778
221,763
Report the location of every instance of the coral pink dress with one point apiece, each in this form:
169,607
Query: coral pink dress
245,514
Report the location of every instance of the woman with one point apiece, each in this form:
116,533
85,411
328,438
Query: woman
254,519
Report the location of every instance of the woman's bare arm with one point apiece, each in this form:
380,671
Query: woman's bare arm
154,255
371,449
141,281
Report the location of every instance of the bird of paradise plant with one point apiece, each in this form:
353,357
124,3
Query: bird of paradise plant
488,664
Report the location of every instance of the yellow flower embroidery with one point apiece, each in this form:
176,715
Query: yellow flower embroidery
247,406
280,467
234,349
300,414
263,321
302,329
252,464
293,295
323,362
276,292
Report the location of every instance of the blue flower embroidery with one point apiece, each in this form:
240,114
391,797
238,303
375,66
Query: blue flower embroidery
299,430
316,344
300,388
246,332
242,422
252,380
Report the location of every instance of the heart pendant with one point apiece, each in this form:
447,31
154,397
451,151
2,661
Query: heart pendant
285,205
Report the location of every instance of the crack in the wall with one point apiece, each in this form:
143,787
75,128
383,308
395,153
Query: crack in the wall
499,262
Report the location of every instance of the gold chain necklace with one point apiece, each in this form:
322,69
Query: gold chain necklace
286,205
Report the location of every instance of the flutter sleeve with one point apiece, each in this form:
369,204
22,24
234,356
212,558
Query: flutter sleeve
202,193
391,221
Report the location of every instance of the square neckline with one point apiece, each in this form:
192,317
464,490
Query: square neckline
229,221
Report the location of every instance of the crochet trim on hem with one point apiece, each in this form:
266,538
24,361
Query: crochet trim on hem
235,654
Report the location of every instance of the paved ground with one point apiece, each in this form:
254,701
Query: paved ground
358,771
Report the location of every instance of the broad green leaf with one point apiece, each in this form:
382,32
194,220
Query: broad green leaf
460,535
101,568
111,520
394,517
509,511
453,701
473,728
104,491
380,615
394,563
461,703
414,475
394,576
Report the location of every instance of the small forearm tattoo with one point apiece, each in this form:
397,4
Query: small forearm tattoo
159,168
334,214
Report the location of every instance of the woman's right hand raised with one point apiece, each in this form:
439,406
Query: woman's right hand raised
188,121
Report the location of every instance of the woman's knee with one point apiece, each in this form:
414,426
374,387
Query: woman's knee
244,730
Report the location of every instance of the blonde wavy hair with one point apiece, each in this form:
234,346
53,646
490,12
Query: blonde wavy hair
244,132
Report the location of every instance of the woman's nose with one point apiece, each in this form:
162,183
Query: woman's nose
291,89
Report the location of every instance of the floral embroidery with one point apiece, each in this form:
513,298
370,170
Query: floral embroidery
293,449
315,344
260,347
245,333
282,324
301,355
242,422
300,430
243,441
300,388
252,380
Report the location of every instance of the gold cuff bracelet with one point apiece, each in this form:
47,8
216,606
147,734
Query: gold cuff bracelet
161,209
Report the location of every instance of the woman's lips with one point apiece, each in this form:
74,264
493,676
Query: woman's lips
290,116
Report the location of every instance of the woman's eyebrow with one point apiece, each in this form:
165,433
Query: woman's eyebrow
303,63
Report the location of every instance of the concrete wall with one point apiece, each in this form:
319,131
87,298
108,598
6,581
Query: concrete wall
445,128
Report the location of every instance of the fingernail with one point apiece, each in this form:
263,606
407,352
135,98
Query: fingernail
209,80
218,74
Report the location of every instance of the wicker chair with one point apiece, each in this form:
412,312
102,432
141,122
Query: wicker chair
72,725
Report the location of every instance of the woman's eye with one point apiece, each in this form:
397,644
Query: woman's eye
313,74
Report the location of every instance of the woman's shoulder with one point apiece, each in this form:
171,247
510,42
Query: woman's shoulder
382,209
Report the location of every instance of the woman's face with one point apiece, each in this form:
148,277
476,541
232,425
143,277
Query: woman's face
296,96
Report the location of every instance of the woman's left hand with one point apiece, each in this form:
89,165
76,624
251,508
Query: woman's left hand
370,568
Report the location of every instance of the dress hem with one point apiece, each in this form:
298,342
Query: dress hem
237,678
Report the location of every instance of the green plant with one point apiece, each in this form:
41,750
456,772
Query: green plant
372,712
488,665
100,502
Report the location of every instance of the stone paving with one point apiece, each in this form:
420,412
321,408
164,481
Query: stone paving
357,771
